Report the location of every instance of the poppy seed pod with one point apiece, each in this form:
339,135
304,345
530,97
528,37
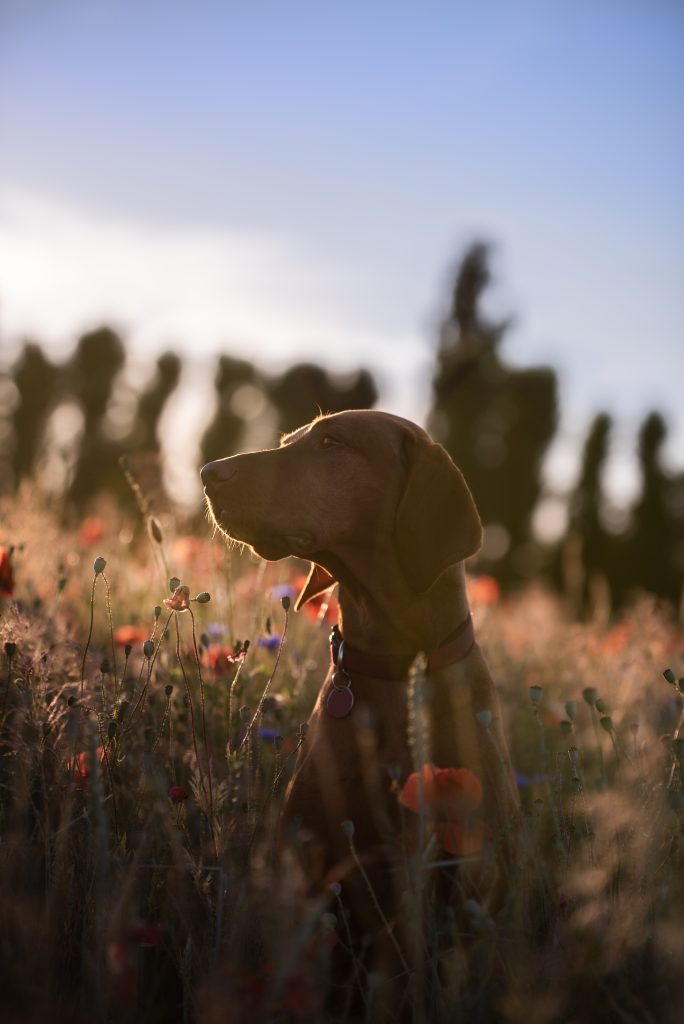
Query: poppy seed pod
155,530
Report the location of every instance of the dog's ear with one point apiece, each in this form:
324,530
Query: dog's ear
318,581
437,523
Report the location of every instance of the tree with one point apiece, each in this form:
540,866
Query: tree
496,422
305,390
36,380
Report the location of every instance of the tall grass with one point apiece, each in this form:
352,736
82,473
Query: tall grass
140,788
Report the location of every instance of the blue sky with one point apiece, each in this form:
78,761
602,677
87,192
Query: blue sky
294,179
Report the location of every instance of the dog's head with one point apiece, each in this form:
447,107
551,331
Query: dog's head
345,486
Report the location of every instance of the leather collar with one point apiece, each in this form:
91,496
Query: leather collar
353,662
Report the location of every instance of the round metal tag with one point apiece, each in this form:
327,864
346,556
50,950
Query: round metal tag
339,701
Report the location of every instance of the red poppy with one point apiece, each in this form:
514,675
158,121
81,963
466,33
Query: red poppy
322,608
448,793
178,794
483,590
91,530
449,796
462,839
79,768
219,658
6,574
130,635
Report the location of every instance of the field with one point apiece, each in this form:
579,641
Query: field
145,749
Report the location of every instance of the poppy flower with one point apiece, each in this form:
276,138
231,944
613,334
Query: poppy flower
79,768
179,600
91,530
450,797
130,635
448,793
483,590
178,794
6,574
322,608
219,658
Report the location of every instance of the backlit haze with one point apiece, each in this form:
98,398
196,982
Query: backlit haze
298,180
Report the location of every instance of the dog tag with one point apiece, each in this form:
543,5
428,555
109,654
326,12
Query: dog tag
339,701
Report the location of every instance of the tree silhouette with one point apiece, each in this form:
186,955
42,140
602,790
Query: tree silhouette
143,435
306,389
657,518
223,434
90,373
36,381
496,422
588,542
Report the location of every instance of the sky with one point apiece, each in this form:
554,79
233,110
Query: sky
287,179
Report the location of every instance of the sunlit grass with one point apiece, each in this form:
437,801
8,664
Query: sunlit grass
143,760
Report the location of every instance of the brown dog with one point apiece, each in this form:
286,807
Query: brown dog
378,507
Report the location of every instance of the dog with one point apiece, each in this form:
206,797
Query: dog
380,509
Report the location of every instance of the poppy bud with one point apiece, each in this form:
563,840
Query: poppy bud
669,676
168,689
157,611
590,694
203,598
173,583
148,648
484,717
285,601
535,694
127,650
571,709
104,666
10,648
155,529
348,829
99,565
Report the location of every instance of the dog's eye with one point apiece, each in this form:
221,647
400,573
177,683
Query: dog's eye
330,442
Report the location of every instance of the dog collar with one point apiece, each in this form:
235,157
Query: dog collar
348,662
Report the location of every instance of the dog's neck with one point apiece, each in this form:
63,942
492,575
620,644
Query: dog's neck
380,613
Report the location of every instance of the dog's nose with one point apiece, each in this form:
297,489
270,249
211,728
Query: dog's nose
217,473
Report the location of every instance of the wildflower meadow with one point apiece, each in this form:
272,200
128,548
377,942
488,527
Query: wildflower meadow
154,690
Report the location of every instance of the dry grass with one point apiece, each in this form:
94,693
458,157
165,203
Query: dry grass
120,903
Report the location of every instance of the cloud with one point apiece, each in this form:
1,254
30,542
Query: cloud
63,271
